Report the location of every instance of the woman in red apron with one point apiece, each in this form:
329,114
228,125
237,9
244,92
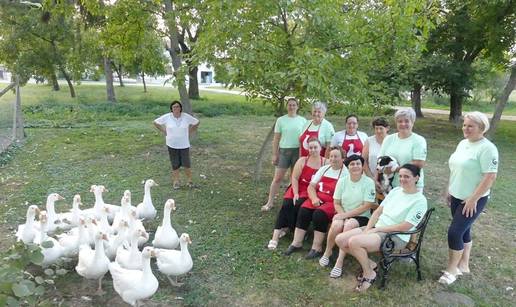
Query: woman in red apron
350,139
318,112
297,193
318,208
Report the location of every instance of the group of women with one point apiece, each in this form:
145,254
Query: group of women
334,187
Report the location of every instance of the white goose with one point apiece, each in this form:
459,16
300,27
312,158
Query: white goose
96,211
28,231
130,257
71,241
116,241
173,262
145,209
50,248
125,207
134,224
166,236
135,285
93,264
103,221
53,220
75,214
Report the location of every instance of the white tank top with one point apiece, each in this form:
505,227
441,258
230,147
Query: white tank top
374,150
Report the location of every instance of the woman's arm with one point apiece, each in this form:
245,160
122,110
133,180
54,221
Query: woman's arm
327,153
312,194
296,172
161,128
365,155
275,148
418,163
340,215
359,210
405,226
374,218
470,203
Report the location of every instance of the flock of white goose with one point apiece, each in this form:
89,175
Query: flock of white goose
108,238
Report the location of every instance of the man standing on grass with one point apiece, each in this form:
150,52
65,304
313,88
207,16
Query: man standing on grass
176,127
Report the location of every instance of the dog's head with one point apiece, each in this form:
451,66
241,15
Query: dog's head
383,162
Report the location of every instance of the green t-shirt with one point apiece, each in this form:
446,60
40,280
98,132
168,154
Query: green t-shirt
326,130
399,207
290,129
404,151
353,194
468,164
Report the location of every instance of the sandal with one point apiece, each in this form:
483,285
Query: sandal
360,273
291,249
273,244
447,278
336,272
360,287
192,185
324,261
176,186
282,233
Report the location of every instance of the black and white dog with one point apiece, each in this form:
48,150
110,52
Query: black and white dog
385,180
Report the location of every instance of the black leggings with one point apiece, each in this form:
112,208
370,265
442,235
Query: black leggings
288,213
317,216
460,227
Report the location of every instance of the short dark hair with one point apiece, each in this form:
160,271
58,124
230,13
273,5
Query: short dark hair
350,116
292,99
352,158
176,102
414,169
380,121
339,149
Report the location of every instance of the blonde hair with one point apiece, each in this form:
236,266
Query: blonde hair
480,119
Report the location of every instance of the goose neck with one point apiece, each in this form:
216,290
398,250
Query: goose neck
99,249
166,218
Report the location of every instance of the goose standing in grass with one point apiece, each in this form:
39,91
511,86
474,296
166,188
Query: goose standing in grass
28,231
125,207
96,211
53,220
117,240
145,210
166,236
173,262
50,248
74,215
72,240
134,224
93,263
135,285
130,257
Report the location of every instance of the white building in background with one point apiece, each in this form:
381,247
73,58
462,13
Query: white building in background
206,74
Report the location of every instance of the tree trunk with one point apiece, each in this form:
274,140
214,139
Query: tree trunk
69,81
55,84
456,98
175,55
261,154
110,89
118,70
144,84
5,90
415,97
193,85
502,102
18,132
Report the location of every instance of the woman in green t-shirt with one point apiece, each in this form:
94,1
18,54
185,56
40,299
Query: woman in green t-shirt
473,168
353,199
401,210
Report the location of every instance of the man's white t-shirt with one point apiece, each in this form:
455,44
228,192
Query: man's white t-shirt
177,129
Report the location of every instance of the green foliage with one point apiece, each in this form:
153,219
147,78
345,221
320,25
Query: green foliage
311,49
17,285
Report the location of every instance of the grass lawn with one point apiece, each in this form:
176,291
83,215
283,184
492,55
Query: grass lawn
72,145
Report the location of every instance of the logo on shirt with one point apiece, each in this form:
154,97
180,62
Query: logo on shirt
494,162
372,193
419,215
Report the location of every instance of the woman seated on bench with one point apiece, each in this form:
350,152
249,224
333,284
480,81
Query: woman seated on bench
402,210
318,208
297,193
354,198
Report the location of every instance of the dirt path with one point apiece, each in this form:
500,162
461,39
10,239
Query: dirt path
446,112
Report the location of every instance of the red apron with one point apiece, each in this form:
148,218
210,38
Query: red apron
353,146
325,188
304,180
303,141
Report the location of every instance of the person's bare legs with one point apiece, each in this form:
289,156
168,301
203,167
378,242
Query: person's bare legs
341,240
454,258
175,178
335,229
463,264
359,247
318,240
299,235
188,174
279,173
